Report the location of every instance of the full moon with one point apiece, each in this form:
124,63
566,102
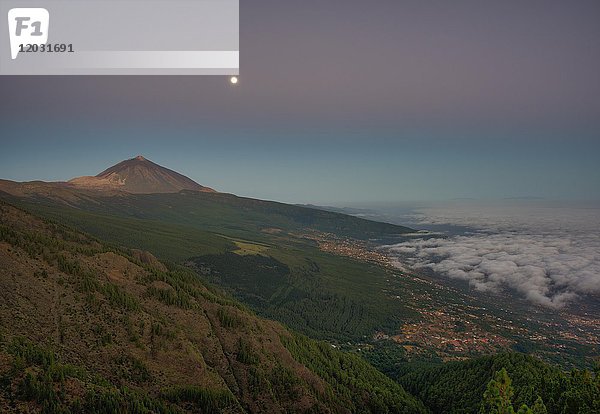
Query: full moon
233,80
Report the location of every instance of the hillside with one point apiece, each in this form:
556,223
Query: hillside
324,295
209,211
85,327
312,270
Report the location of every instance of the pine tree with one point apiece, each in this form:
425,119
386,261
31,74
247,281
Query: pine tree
525,410
498,395
539,407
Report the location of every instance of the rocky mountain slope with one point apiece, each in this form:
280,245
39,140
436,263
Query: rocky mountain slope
139,176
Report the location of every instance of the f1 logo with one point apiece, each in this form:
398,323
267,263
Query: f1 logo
27,26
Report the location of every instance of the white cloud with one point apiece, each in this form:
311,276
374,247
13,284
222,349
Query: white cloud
548,255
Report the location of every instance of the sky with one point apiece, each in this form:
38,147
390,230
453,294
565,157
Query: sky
345,101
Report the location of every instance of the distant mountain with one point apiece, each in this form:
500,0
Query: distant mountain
139,176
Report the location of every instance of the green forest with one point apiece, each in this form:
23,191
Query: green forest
496,384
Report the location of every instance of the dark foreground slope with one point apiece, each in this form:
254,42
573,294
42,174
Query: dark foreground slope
87,328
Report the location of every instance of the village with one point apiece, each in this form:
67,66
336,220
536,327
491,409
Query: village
458,330
343,246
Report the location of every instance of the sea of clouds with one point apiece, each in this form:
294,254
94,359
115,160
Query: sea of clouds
549,254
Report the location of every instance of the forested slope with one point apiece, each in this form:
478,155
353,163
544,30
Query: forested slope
458,387
89,328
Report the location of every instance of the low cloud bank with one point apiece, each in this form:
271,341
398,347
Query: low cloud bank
550,256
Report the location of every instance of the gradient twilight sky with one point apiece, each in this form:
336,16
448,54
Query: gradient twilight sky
345,101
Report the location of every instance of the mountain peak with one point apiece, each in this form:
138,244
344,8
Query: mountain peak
139,175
